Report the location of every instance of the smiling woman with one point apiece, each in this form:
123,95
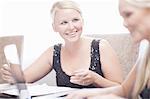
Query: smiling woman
31,18
80,62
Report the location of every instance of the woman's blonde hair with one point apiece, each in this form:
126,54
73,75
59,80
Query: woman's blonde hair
140,3
64,4
143,69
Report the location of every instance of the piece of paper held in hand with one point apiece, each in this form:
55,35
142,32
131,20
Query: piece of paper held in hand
11,54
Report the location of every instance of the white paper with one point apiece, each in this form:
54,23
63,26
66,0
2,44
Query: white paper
39,90
11,54
7,86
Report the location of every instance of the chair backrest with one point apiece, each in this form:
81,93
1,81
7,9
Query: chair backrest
123,46
6,40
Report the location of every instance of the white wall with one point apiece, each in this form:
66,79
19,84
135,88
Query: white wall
31,18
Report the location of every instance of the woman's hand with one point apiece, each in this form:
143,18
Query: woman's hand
80,94
87,94
83,77
106,96
7,74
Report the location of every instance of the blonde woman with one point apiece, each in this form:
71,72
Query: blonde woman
136,14
79,62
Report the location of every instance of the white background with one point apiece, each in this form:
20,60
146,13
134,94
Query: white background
31,18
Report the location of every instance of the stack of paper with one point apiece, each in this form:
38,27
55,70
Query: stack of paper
6,86
38,90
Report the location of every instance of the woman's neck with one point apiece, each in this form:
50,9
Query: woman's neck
73,47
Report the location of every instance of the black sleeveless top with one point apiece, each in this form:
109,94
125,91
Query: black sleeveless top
63,79
145,94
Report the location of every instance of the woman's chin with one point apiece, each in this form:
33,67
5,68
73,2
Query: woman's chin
74,39
136,39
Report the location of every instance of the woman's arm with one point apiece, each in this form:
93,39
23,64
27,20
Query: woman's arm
107,96
12,74
40,67
110,66
128,83
92,92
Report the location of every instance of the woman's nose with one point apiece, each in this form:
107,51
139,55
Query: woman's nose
70,26
125,24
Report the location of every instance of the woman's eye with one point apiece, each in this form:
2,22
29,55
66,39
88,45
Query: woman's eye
127,14
75,20
64,22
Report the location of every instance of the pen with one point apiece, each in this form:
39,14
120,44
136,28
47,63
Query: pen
62,95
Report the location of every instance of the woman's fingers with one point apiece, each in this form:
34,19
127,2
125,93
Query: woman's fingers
8,79
6,67
80,73
80,81
82,77
5,70
7,74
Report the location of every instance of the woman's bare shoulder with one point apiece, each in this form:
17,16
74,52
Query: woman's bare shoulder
49,50
48,53
104,44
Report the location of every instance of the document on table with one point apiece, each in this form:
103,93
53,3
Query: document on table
37,90
7,86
